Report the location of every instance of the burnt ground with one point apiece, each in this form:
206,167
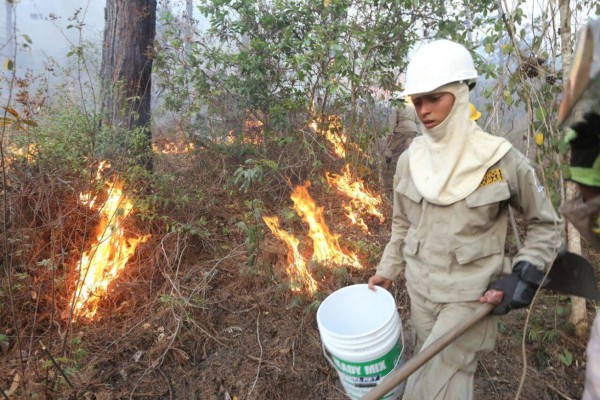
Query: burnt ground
192,318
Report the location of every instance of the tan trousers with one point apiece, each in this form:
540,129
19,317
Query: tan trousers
448,375
592,369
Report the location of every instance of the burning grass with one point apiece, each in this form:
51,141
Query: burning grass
112,248
189,316
185,317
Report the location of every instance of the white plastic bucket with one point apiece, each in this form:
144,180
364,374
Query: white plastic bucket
362,337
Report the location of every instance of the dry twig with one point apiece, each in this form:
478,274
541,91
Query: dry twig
261,352
487,373
4,394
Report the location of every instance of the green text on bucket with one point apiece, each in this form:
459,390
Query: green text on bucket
380,366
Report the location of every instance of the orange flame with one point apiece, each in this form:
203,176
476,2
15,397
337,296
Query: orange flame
330,127
247,137
325,245
253,126
230,138
297,270
252,131
361,198
14,152
355,219
101,264
166,147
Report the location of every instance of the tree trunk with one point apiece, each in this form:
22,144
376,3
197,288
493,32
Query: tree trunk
189,24
130,26
578,315
10,24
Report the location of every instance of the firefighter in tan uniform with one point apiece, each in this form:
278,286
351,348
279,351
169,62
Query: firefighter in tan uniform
452,189
404,127
584,213
580,107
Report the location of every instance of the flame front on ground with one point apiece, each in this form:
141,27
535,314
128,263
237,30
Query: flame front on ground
14,152
166,147
325,245
100,265
355,219
361,198
331,127
297,270
250,138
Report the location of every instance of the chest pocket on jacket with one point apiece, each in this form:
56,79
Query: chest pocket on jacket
410,201
482,248
484,203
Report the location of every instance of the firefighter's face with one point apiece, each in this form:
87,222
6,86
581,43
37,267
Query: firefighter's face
432,109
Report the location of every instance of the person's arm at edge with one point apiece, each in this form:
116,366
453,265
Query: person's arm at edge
545,227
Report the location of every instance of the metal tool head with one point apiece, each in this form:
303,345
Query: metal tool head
582,86
572,274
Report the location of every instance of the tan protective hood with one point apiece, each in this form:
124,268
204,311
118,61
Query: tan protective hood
449,161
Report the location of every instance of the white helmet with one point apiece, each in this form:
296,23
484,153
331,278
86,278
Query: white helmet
436,64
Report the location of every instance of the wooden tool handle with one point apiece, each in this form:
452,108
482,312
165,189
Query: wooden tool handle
395,377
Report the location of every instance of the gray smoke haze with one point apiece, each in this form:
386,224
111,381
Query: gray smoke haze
46,23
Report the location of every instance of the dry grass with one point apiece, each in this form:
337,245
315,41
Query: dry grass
188,318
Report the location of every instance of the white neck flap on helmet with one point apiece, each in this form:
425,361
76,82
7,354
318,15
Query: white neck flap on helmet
449,161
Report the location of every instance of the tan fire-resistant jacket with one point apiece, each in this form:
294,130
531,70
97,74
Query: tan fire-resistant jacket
403,128
452,252
403,120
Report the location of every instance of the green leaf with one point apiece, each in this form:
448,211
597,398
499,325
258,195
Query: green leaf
165,298
566,358
518,15
541,114
27,38
507,97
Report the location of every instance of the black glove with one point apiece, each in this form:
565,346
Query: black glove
519,287
585,147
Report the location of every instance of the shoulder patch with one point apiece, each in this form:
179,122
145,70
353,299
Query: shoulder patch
492,176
